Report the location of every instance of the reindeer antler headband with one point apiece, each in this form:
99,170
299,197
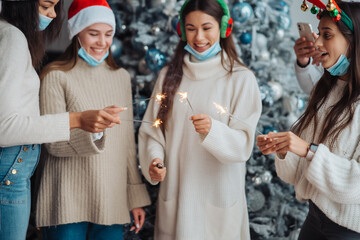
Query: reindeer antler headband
335,12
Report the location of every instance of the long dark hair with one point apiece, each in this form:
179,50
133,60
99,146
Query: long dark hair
25,16
335,122
174,72
68,59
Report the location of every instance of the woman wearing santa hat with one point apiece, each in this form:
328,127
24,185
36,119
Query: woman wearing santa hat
89,185
24,26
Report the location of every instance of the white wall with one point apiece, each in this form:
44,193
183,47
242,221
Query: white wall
297,15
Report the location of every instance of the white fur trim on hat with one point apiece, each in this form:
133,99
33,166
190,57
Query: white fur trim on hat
89,16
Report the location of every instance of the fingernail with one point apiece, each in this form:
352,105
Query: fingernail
154,163
137,226
125,108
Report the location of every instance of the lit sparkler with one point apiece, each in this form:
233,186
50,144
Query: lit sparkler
158,97
222,110
156,124
184,96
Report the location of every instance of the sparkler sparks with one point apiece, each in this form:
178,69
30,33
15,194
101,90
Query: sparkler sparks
223,110
157,123
158,97
183,97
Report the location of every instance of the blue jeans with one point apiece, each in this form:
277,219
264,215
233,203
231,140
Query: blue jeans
83,231
318,226
17,164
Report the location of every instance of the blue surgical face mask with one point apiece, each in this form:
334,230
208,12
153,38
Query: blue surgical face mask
90,59
341,67
212,51
44,22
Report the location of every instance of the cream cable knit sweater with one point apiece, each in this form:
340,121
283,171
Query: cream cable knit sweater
203,194
20,120
331,179
82,180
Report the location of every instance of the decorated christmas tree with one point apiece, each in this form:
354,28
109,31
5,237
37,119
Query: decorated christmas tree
145,41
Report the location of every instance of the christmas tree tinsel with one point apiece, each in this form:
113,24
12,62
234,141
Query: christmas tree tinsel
145,41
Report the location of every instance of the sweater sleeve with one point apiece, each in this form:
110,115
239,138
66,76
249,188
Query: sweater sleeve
137,192
53,100
233,142
336,177
151,139
20,122
308,76
287,168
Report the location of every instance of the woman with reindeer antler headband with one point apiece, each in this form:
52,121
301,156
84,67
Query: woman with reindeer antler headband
320,156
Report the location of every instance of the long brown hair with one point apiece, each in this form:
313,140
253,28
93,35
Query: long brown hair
25,16
174,72
68,59
335,122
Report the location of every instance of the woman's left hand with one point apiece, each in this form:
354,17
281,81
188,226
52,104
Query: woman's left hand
139,219
285,142
202,123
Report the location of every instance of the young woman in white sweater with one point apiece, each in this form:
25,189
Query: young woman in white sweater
24,26
321,155
202,192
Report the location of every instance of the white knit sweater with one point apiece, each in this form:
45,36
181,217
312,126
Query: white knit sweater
20,120
331,178
203,195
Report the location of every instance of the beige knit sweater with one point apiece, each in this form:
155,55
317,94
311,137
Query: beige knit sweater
83,180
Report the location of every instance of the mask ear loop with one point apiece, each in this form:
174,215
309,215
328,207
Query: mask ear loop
79,42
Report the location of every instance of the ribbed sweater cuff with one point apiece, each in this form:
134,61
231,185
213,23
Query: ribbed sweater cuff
211,140
138,196
83,144
286,165
316,167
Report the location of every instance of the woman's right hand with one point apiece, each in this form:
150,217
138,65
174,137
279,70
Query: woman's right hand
304,50
157,174
96,120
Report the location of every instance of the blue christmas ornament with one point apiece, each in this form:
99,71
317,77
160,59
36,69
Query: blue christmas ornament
155,60
116,48
140,107
268,129
241,12
301,104
259,10
284,21
280,6
245,38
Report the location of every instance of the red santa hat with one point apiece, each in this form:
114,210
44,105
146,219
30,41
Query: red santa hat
83,13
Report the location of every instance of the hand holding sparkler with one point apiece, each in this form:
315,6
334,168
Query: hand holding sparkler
157,171
202,123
